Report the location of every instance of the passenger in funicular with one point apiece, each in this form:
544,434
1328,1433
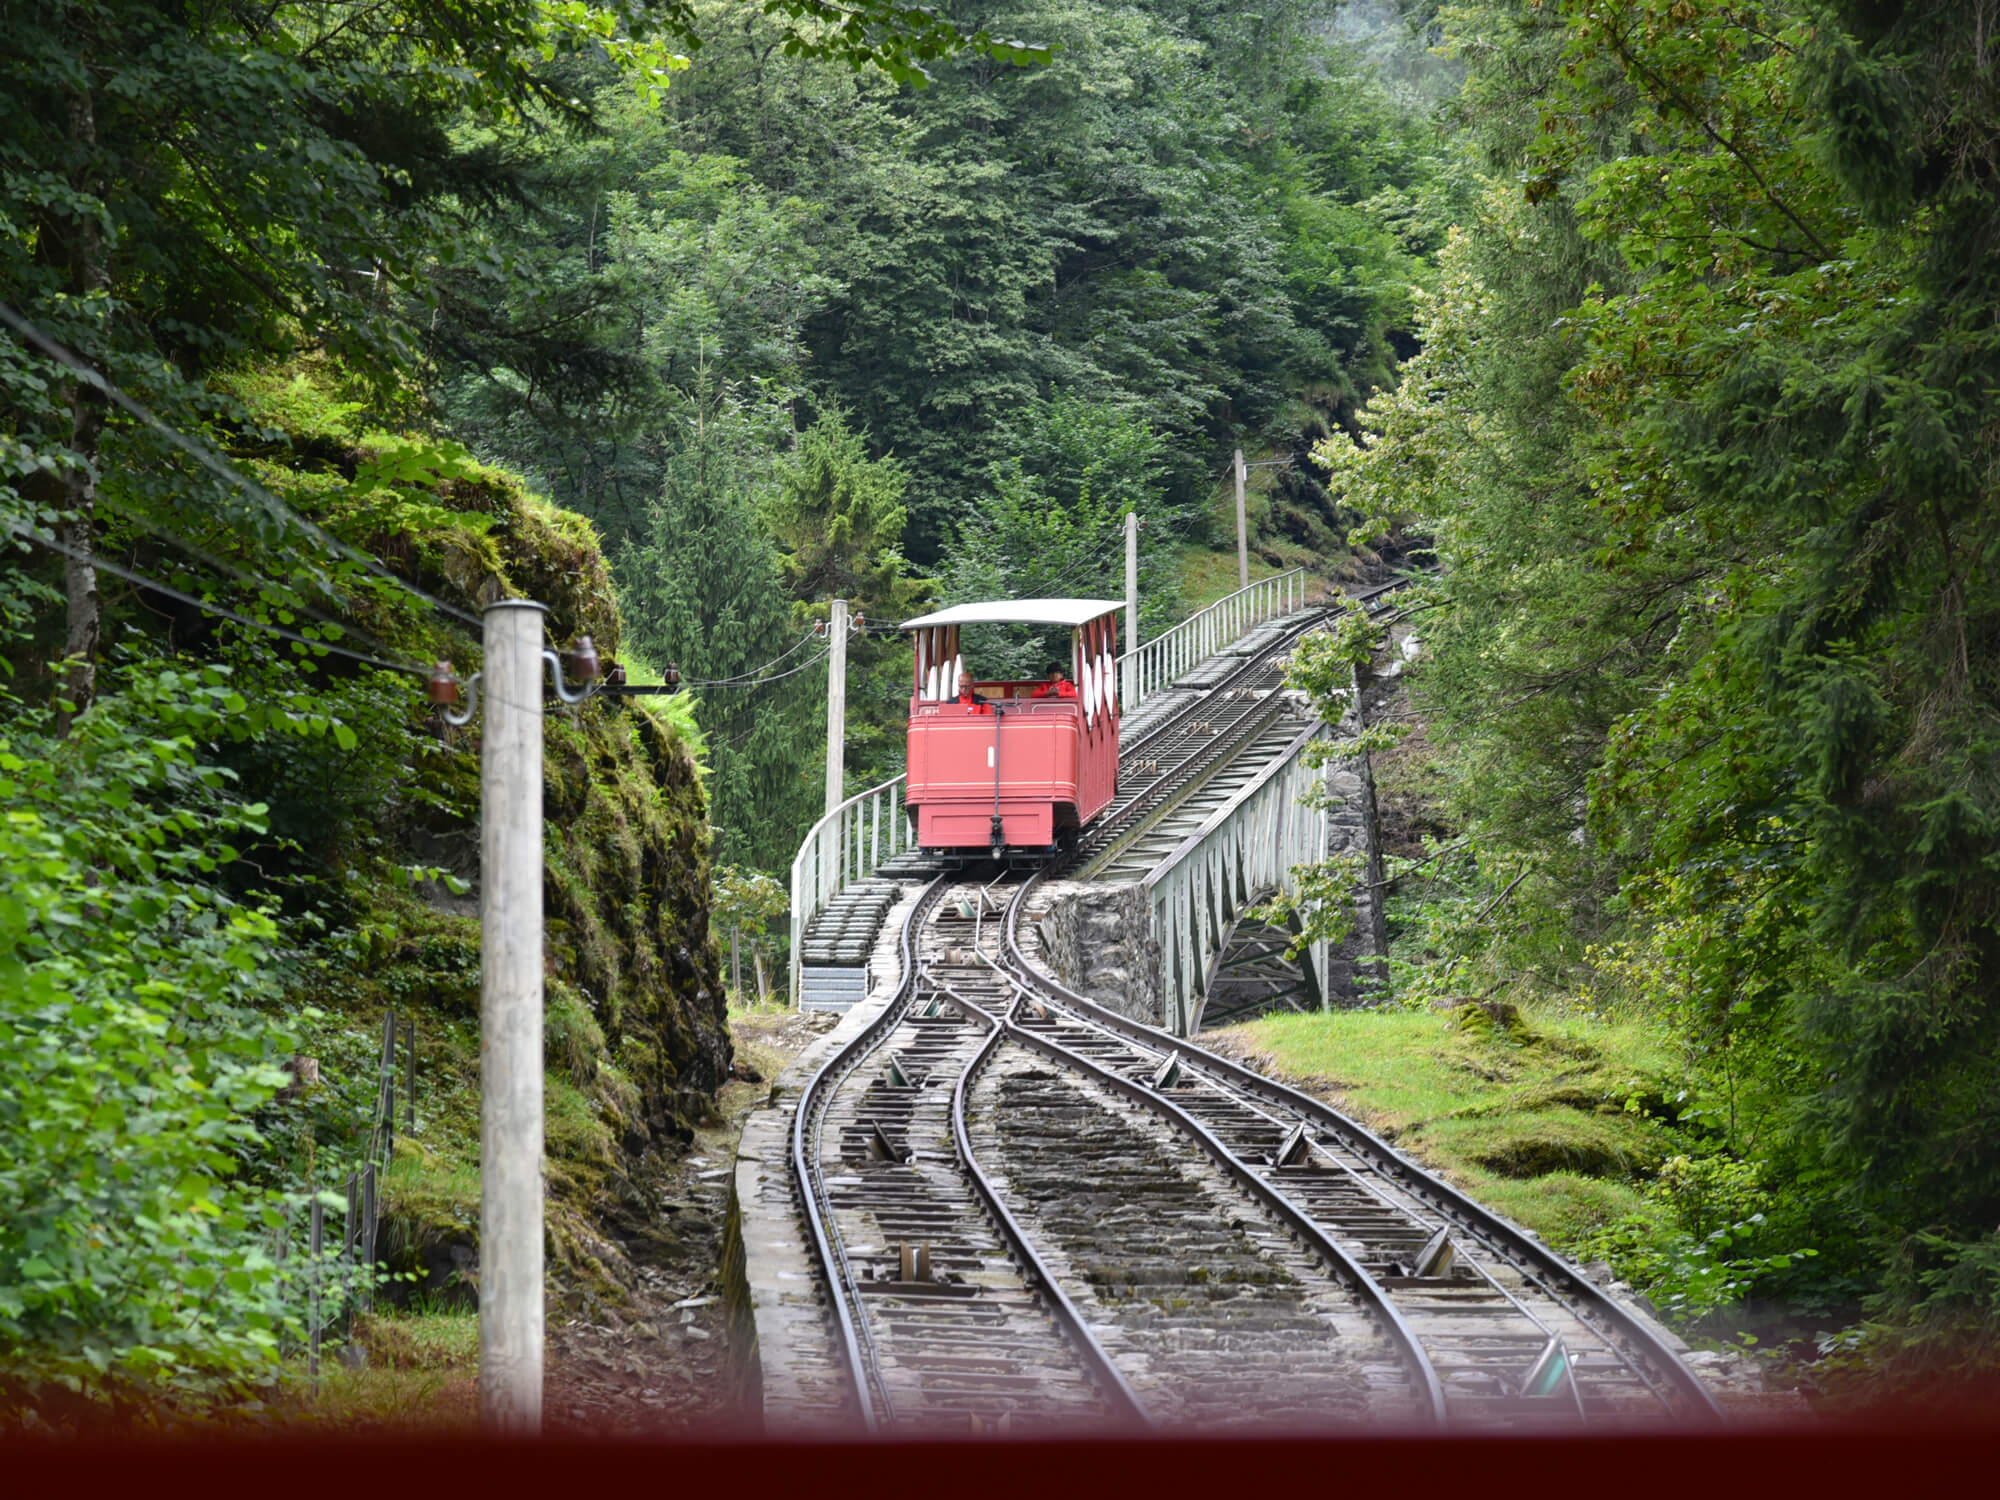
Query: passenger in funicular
970,697
1058,684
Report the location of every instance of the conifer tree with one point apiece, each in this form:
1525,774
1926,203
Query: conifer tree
703,591
837,515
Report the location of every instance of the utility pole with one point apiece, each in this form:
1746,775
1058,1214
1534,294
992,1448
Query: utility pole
510,1021
836,704
1129,688
1242,531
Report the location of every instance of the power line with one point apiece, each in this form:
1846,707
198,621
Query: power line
205,455
746,676
210,607
249,578
775,677
207,605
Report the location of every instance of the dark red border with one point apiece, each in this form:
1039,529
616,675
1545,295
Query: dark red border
1819,1459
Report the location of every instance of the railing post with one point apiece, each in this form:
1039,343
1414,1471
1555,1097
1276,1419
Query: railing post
798,917
315,1301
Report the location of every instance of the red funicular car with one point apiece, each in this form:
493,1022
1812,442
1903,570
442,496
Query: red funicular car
1005,765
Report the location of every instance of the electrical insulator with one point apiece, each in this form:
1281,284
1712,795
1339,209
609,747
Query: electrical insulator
584,659
673,675
444,684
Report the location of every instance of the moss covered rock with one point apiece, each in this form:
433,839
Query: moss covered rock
637,1034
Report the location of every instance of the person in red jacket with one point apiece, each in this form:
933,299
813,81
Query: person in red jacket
971,699
1058,685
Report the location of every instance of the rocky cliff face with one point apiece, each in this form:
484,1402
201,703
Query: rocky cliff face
637,1038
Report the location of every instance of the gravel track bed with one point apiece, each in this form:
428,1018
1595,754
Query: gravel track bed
1219,1319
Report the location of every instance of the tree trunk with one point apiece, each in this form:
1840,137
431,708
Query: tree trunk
89,276
76,531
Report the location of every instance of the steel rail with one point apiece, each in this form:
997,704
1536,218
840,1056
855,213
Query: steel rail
1255,1109
1117,1390
825,1234
1562,1282
1121,826
1022,981
858,1354
1423,1376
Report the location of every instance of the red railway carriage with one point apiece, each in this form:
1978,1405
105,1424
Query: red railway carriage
1013,765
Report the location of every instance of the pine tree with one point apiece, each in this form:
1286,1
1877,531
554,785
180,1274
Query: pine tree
702,590
838,517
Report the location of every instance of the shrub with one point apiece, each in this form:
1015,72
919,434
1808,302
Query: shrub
131,1248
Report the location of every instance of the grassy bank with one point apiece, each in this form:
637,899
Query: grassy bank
1556,1122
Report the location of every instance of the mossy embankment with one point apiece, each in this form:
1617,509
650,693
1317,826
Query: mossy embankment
637,1038
1557,1123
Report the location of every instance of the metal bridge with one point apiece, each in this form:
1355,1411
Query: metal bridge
1169,888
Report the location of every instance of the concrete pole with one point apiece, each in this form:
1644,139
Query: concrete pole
1130,694
510,1021
1242,531
836,705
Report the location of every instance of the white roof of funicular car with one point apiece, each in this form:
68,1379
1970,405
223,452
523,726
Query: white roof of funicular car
1070,612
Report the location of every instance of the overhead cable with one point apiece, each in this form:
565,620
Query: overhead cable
774,677
205,455
207,605
746,676
248,577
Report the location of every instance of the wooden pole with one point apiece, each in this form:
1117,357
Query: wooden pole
836,705
1131,685
510,1021
1242,530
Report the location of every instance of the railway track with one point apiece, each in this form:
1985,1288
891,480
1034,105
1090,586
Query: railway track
1031,1214
946,1319
1190,761
1515,1335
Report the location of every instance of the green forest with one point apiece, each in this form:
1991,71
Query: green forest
1666,330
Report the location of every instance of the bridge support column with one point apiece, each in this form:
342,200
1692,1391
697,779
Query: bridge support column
1353,972
1099,941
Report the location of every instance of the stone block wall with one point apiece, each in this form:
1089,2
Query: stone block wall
1356,972
1099,941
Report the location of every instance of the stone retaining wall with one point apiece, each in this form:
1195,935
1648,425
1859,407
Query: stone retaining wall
1099,942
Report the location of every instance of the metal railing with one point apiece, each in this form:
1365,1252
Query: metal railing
1144,670
347,1277
1255,842
851,841
844,846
